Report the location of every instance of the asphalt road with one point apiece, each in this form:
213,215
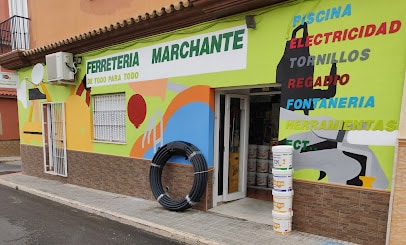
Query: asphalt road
28,219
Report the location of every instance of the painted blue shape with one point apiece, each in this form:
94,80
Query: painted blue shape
192,123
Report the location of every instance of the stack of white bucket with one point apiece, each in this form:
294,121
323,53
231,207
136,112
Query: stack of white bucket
252,164
259,166
282,191
262,165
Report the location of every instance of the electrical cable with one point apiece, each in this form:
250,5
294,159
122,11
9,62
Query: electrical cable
72,68
193,154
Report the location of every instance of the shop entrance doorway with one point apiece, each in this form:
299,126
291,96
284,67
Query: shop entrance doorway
243,117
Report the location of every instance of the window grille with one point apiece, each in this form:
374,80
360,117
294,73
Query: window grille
109,114
54,138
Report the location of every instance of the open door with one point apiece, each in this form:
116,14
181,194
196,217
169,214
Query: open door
233,144
54,138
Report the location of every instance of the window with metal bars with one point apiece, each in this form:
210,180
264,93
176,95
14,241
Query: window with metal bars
109,112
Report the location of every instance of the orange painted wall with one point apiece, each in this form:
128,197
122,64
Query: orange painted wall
52,21
4,10
4,15
9,119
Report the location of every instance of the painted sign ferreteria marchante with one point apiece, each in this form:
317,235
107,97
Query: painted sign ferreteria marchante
189,56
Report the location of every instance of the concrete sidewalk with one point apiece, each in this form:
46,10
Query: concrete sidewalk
190,227
10,165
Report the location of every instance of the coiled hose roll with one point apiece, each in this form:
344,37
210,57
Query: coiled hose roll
193,154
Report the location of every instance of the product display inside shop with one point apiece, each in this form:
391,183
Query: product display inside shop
263,134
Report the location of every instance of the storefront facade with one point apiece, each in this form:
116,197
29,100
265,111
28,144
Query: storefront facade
326,77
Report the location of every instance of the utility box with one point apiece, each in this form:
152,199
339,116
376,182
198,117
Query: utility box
60,68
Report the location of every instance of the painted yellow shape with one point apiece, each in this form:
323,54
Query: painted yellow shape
367,181
78,124
31,112
45,90
33,133
72,90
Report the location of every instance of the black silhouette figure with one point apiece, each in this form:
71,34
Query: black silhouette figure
35,94
286,71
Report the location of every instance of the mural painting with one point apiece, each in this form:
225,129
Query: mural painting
337,66
339,149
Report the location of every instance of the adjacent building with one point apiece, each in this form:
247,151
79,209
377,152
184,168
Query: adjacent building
9,131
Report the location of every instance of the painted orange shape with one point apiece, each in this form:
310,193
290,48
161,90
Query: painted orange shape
151,87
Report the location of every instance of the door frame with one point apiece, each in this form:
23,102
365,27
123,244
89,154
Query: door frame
54,139
243,148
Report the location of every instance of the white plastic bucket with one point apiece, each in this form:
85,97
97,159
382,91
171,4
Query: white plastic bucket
252,151
282,156
282,201
252,164
262,179
282,222
251,178
262,165
282,179
270,180
263,151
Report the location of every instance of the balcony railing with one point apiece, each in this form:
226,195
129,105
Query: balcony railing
14,34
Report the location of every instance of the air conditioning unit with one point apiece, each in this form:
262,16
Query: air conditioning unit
60,68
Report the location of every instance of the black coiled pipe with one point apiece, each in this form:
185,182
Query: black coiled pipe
193,154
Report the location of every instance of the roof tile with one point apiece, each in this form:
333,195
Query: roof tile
8,92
